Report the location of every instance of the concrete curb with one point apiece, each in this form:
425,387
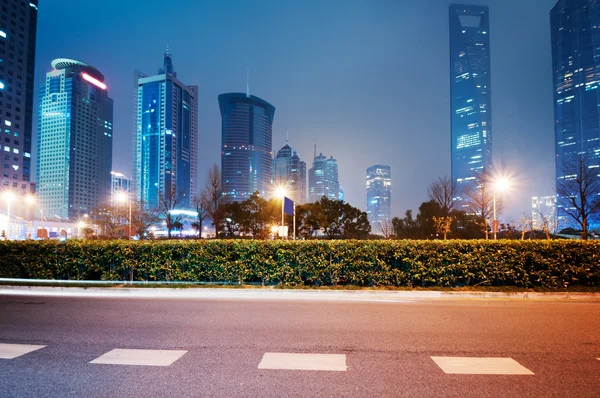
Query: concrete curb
281,294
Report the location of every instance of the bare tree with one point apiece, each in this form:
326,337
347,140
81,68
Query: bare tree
549,224
579,191
480,199
525,225
142,219
443,224
386,228
444,192
110,219
166,204
213,200
202,214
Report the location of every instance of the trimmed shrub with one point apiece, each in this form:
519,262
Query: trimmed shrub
363,263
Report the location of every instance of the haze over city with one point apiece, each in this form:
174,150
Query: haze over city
367,82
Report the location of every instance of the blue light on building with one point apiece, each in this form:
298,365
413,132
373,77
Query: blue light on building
470,90
165,137
379,195
246,145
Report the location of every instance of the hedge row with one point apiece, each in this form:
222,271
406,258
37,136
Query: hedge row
362,263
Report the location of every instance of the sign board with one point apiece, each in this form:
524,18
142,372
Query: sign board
283,231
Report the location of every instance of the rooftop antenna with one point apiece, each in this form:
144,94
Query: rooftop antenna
168,48
247,82
315,150
287,137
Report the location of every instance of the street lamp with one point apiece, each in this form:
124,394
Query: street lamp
30,201
80,226
281,192
8,197
500,185
122,197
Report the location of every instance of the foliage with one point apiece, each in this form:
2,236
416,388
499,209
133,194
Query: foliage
548,263
166,204
443,224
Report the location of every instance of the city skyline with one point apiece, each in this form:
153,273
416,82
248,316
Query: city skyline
338,129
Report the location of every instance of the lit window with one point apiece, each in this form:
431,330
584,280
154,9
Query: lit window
1,86
8,123
2,34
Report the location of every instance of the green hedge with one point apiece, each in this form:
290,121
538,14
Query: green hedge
362,263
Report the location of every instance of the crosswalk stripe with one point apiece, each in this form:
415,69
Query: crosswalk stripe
12,351
139,357
291,361
481,366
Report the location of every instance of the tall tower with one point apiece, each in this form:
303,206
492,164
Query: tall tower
74,140
470,92
379,195
166,137
323,179
576,84
18,28
246,145
289,171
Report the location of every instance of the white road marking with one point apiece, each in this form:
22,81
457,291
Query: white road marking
140,357
481,366
11,351
276,360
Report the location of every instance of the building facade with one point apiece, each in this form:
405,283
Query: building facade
544,209
75,136
575,39
165,137
246,145
290,172
379,195
323,179
18,29
120,184
470,93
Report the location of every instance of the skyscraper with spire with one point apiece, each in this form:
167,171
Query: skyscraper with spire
246,145
290,172
323,179
165,136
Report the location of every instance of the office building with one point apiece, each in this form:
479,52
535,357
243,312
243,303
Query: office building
576,80
246,145
75,136
543,209
290,172
165,137
323,179
470,93
379,195
18,27
120,184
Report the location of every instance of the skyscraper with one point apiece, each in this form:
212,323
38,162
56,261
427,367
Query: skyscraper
323,179
470,91
75,136
543,209
247,149
166,137
120,184
379,195
18,28
290,172
576,82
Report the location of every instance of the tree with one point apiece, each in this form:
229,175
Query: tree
549,225
354,222
110,221
578,192
309,219
254,215
213,199
443,224
525,225
480,200
166,204
386,228
142,219
201,214
405,228
444,192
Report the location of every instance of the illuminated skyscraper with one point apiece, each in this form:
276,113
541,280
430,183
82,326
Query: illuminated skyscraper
166,137
18,27
470,91
119,185
379,195
576,84
247,149
323,179
543,209
75,136
290,172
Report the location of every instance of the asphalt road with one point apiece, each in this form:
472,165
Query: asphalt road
388,347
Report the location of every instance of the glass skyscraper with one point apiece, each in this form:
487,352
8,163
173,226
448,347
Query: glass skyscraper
165,137
470,92
379,195
323,179
75,136
575,33
290,172
246,145
18,26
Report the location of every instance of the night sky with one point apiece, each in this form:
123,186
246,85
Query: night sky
367,81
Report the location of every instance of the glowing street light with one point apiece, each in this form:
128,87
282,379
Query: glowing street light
500,185
281,192
8,197
80,226
122,197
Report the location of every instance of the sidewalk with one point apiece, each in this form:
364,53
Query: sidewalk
283,294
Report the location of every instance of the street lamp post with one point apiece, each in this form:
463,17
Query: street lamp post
8,197
281,193
123,198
